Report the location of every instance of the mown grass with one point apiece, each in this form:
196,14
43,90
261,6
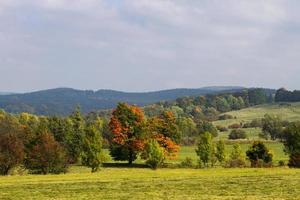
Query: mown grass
125,183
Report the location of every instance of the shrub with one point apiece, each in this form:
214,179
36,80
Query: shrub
47,156
11,152
236,157
234,126
237,134
281,163
256,123
187,163
222,128
259,155
225,117
154,154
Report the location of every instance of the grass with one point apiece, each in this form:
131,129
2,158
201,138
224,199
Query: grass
125,183
290,113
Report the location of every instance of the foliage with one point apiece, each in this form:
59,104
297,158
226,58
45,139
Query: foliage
283,95
187,163
206,126
92,148
272,127
258,153
154,154
292,143
47,156
235,126
11,152
204,148
237,134
236,157
220,151
127,125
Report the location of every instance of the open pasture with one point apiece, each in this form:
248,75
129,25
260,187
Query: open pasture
133,183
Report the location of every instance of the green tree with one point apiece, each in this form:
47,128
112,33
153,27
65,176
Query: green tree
259,152
204,148
92,148
77,137
272,127
220,151
292,143
154,154
206,126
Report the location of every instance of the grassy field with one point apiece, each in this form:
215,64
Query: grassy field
126,183
290,113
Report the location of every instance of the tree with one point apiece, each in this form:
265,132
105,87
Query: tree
257,96
11,152
272,127
165,131
204,148
127,126
77,137
92,146
220,151
206,126
292,143
259,152
46,156
154,154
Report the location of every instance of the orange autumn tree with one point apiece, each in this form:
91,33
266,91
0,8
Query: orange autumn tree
127,125
165,131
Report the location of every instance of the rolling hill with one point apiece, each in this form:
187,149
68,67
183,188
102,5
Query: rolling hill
61,101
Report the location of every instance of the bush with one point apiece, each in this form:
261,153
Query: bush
234,126
259,155
222,128
281,163
256,123
187,163
11,152
154,154
236,157
237,134
47,156
225,117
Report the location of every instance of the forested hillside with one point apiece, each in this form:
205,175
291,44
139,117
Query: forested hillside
62,101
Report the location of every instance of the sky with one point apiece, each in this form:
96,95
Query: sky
146,45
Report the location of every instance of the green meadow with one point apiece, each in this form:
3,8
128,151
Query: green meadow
135,183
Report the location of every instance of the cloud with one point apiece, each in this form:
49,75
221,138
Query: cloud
155,43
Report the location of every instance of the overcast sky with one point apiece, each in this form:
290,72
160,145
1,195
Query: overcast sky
142,45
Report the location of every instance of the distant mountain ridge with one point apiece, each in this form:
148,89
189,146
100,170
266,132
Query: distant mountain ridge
61,101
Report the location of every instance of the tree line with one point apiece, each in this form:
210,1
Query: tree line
50,144
284,95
